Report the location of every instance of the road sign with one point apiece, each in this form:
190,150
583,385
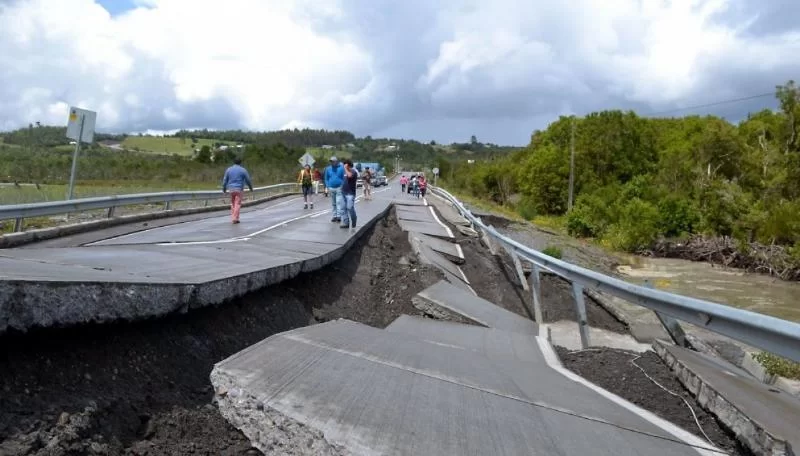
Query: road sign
80,126
307,159
435,171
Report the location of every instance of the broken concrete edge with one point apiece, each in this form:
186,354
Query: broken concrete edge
747,431
75,303
12,240
439,312
268,429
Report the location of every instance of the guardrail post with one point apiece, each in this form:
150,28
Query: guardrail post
671,325
18,224
580,307
537,295
168,205
111,211
520,271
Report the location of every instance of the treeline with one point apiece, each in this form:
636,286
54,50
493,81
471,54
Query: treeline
638,180
37,136
291,138
267,164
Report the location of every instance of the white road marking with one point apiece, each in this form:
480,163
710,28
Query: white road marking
555,363
247,237
150,230
435,217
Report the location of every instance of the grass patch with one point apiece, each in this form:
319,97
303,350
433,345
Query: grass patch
552,251
487,206
554,223
167,145
776,365
24,194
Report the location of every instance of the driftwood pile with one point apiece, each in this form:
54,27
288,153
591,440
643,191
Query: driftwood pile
774,260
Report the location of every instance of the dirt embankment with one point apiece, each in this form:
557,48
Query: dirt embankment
495,279
143,388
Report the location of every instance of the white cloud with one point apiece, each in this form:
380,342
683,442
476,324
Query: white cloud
497,69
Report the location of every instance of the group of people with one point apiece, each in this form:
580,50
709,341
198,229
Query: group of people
339,178
415,186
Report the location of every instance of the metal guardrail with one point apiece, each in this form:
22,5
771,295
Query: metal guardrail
772,334
19,212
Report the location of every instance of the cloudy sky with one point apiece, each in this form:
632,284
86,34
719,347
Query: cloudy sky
424,69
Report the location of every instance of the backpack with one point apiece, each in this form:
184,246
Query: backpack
306,178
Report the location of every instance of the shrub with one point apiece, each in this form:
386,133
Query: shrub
678,216
552,251
527,208
638,226
590,217
775,365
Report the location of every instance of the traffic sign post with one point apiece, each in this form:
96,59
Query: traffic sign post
435,175
80,127
307,159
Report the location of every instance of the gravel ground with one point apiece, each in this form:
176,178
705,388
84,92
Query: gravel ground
615,371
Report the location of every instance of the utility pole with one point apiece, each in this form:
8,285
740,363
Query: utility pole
571,165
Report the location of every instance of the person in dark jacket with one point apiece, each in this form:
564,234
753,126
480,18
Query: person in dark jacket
347,202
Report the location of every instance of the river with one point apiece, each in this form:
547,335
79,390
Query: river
755,292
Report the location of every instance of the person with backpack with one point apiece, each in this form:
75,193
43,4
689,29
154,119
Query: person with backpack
236,177
334,178
306,180
347,195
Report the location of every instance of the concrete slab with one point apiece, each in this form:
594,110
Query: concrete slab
451,250
363,390
429,228
445,298
447,210
565,333
763,417
429,256
172,268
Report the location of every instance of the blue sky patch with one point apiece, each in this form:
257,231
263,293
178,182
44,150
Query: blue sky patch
116,7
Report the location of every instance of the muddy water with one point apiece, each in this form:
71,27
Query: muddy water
755,292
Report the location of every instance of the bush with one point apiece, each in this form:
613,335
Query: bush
527,208
552,251
775,365
638,226
590,217
678,216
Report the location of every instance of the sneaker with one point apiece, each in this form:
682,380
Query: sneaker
305,206
235,222
312,205
344,226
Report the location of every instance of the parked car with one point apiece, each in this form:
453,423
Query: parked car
380,180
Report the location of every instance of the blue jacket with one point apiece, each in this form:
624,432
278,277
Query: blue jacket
334,176
236,177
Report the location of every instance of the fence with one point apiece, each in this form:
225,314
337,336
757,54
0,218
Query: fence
772,334
19,212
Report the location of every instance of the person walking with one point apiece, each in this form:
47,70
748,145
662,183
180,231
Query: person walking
367,179
334,178
306,181
403,183
317,178
348,196
423,184
236,177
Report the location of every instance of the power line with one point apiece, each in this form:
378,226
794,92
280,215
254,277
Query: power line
716,103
